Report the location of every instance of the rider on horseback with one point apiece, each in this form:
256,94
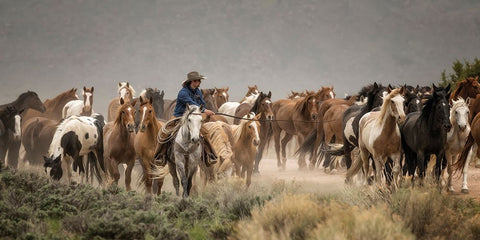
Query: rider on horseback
190,94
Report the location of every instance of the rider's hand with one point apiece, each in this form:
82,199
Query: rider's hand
209,113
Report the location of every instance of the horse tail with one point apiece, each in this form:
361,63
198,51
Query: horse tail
307,146
460,164
159,172
353,170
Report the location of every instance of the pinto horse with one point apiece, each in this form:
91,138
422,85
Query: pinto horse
145,141
10,124
425,133
229,108
125,92
74,139
79,107
119,139
247,138
379,137
221,96
294,117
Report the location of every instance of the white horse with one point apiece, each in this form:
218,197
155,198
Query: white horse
80,107
230,107
456,139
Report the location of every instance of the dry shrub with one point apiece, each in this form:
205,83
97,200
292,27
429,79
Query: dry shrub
287,217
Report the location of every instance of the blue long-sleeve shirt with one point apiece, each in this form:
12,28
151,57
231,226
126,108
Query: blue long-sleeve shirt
189,96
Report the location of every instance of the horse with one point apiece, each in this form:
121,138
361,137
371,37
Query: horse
125,92
467,88
119,137
37,134
54,107
246,140
74,139
79,107
145,141
379,137
229,108
413,101
157,100
263,108
221,96
295,94
10,124
294,117
187,150
425,133
457,138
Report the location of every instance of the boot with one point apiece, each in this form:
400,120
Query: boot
209,155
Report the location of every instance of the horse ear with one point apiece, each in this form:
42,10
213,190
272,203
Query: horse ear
128,84
141,100
467,101
269,94
226,89
134,101
389,88
119,84
84,89
162,93
151,100
402,90
447,89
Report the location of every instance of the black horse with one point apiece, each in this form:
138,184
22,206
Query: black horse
8,112
157,102
425,133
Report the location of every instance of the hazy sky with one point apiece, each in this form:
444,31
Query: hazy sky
50,46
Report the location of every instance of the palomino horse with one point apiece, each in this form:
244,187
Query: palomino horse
74,139
221,96
145,141
10,125
187,150
294,117
456,138
80,107
125,92
246,137
119,137
379,137
425,133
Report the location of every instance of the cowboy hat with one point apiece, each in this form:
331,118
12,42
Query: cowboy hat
192,76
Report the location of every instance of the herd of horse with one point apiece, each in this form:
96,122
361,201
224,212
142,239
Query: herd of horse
392,130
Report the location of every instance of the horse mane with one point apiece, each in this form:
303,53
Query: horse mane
219,139
123,106
386,102
61,98
431,99
459,88
256,105
301,105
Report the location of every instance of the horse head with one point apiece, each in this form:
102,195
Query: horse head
147,113
193,120
308,106
263,105
87,99
413,101
395,100
31,100
459,114
55,164
441,108
126,115
325,93
221,96
126,91
210,101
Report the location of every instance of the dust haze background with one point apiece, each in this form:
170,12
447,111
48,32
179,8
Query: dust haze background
51,46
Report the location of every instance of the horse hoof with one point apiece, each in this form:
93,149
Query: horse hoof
256,173
465,191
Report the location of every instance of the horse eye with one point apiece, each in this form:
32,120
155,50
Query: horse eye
150,111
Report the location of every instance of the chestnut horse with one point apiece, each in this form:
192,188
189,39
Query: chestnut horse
127,93
119,138
294,117
467,88
80,107
37,134
145,142
10,124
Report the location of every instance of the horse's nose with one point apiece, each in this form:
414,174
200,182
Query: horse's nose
314,116
131,127
448,126
194,139
256,142
462,128
269,117
142,129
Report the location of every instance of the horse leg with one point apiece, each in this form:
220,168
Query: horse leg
249,167
128,175
13,152
395,159
421,160
438,166
451,158
364,157
276,140
285,140
465,170
173,171
259,154
146,175
159,185
183,177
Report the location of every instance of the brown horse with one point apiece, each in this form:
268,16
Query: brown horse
10,123
145,142
53,106
37,134
325,93
246,137
221,96
467,88
119,139
296,118
127,93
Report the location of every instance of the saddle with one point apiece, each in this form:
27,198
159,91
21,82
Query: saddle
164,146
